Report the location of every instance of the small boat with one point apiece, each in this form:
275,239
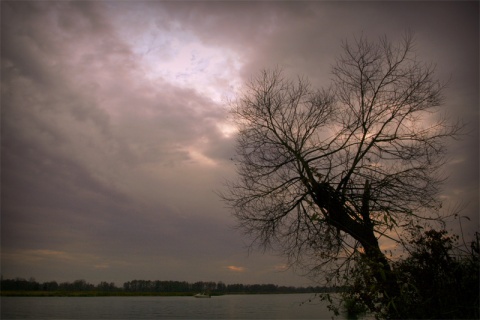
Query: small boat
202,295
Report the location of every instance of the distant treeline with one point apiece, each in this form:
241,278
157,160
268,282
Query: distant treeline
142,286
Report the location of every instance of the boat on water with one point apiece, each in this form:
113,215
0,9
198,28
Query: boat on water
202,295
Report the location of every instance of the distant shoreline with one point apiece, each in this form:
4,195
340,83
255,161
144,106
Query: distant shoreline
90,294
119,294
20,287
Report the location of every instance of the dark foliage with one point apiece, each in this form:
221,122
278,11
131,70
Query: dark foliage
157,286
437,280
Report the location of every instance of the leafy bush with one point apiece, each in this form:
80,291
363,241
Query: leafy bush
437,280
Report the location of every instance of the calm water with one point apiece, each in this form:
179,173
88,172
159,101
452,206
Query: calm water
288,306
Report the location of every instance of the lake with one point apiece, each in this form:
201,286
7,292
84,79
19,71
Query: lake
281,306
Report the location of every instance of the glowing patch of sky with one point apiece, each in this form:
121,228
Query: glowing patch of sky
173,54
186,62
179,57
200,158
236,269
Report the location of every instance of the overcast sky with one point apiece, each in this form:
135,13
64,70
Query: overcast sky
115,136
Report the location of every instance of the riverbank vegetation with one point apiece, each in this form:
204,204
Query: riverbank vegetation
81,288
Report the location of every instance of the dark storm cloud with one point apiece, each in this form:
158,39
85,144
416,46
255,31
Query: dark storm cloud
109,162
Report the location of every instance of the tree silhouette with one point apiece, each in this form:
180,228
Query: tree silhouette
323,174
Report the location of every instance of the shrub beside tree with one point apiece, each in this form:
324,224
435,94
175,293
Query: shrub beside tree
438,280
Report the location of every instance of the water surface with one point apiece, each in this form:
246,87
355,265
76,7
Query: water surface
281,306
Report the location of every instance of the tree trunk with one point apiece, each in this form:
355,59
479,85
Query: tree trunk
337,215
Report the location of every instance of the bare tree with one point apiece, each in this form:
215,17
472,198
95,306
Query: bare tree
326,174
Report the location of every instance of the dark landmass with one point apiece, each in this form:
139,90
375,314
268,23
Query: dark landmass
20,287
